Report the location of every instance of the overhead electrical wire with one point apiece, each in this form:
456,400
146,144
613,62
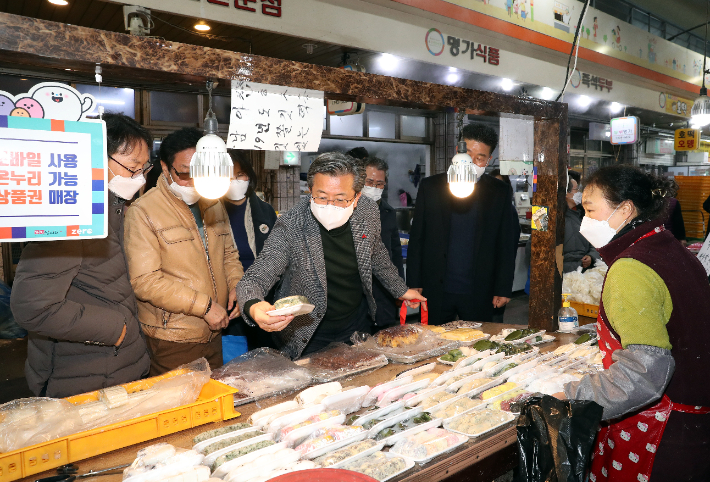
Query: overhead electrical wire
574,51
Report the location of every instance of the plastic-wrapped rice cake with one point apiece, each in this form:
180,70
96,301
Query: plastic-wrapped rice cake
345,453
224,443
326,436
473,384
435,399
239,452
459,406
377,466
425,444
219,431
479,421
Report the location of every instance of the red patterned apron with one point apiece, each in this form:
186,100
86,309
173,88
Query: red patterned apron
625,449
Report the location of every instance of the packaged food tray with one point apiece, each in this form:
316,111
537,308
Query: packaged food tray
215,402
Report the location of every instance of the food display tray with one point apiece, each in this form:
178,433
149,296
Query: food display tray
462,440
325,375
409,463
335,445
227,467
364,453
510,417
215,402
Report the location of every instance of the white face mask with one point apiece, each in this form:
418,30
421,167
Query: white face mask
598,233
237,190
330,216
577,198
479,170
188,194
125,187
372,192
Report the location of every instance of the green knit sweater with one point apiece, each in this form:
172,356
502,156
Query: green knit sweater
637,304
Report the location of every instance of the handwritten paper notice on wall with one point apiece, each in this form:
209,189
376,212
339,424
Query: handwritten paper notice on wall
704,255
275,118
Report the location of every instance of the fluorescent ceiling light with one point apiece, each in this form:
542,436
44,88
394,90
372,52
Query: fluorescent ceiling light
112,102
615,107
59,2
584,100
547,93
202,26
388,62
452,78
506,84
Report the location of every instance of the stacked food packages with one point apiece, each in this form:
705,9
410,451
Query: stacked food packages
381,431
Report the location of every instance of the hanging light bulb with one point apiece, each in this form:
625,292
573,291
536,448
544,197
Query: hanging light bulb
461,174
211,166
700,112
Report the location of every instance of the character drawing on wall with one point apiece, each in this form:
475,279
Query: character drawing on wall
617,37
532,11
6,105
509,7
523,11
651,51
47,100
596,26
566,17
516,9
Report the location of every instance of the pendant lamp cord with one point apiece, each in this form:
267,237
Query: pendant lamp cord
459,117
210,86
703,90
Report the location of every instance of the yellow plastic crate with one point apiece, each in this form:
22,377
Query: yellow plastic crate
585,309
215,402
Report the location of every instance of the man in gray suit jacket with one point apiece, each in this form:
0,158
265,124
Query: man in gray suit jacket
326,248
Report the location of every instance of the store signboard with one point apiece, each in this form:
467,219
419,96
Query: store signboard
704,146
624,130
272,8
687,139
674,104
52,179
587,80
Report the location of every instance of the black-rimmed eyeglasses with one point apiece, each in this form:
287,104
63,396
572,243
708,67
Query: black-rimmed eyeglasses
134,173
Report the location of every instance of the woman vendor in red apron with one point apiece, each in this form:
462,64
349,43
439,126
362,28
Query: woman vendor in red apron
654,335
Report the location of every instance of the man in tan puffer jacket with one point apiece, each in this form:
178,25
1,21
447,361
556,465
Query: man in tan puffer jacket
182,262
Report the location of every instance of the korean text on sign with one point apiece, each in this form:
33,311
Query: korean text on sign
687,139
275,118
268,7
459,46
24,177
599,83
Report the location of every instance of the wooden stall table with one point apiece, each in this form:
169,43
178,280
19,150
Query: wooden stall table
484,459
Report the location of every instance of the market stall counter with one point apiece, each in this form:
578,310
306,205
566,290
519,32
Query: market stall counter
483,458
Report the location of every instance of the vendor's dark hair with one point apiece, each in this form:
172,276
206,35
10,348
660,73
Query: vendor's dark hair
358,153
123,133
377,163
240,157
338,164
573,175
177,141
622,183
481,133
506,178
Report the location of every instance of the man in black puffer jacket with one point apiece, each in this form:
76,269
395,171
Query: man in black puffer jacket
74,296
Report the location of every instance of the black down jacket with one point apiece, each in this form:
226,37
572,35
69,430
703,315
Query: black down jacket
74,297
